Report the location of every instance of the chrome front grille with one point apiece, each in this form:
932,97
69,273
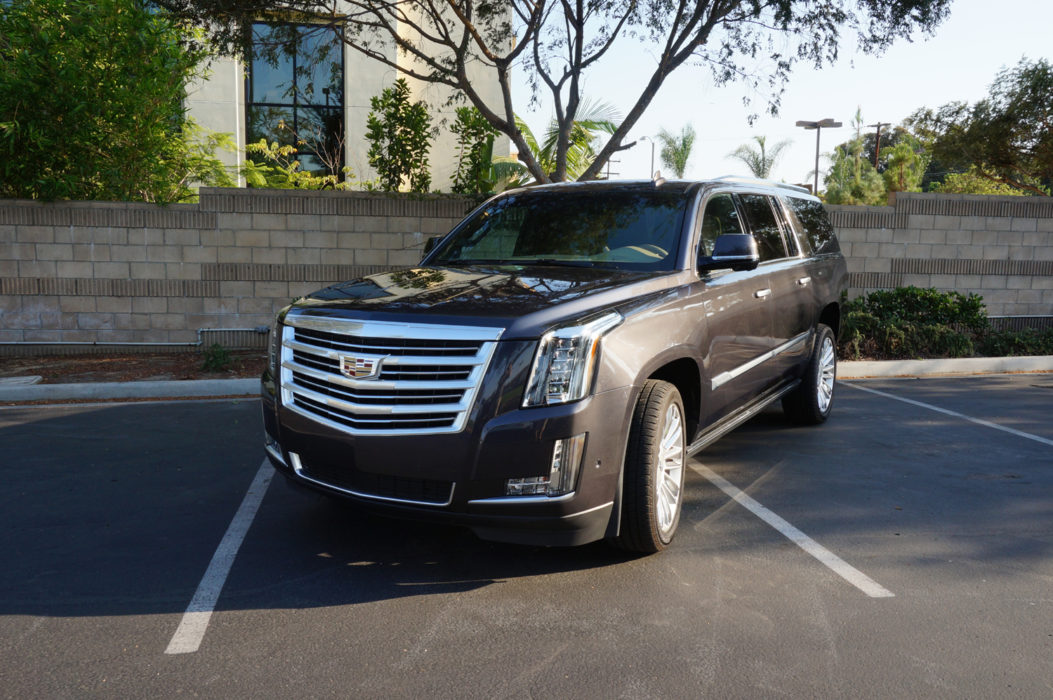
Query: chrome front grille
418,378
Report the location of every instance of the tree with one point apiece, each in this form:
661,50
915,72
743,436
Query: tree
852,179
446,43
595,119
889,139
905,167
91,104
1006,137
399,134
759,160
972,182
676,149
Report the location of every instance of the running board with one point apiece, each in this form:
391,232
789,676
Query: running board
722,429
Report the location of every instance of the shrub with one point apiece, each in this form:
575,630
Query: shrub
475,148
216,359
1026,342
909,322
91,103
399,134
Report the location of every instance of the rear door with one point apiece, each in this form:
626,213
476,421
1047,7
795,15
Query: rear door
789,284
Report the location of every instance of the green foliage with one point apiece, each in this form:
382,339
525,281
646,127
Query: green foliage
852,179
558,45
475,150
905,168
216,358
91,104
1026,342
909,322
399,134
1006,137
972,182
593,120
760,160
275,166
676,149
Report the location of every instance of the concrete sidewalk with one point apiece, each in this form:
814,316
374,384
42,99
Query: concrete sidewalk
210,388
199,388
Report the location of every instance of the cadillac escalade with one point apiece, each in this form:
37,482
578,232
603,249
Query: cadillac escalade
545,373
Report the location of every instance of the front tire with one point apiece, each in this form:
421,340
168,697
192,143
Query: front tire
652,493
812,401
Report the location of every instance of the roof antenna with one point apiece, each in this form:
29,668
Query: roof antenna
657,178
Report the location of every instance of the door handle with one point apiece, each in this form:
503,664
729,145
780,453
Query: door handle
803,282
762,293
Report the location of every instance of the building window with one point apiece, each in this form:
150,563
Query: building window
295,92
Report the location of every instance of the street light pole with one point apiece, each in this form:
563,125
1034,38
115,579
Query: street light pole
818,126
651,141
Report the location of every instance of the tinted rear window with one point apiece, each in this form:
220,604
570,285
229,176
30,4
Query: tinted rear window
818,231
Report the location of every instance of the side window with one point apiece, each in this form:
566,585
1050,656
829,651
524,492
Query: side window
764,226
815,224
789,230
720,217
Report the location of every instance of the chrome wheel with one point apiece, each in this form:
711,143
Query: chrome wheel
811,402
826,374
670,470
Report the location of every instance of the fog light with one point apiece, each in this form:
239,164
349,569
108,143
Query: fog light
535,486
563,472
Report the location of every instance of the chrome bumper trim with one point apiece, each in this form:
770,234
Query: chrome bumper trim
297,466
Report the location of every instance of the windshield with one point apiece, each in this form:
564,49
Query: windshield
635,230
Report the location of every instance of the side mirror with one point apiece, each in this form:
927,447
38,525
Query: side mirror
430,245
737,251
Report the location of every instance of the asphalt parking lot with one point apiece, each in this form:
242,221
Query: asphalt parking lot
936,493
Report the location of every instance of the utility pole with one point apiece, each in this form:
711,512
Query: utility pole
818,126
877,145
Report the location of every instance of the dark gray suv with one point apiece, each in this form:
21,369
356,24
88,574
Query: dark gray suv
544,374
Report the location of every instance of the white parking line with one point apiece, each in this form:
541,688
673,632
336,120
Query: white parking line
195,620
835,563
978,421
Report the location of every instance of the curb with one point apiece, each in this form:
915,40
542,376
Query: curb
959,367
207,388
197,388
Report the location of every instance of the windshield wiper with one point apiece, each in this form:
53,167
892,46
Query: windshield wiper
556,262
469,261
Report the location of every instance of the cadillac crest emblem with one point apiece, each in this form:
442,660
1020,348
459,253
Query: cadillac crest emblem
360,367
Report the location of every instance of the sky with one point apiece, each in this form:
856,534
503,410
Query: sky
958,63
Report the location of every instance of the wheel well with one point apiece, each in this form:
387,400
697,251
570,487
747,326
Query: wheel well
831,316
684,375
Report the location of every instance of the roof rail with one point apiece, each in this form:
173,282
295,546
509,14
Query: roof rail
758,181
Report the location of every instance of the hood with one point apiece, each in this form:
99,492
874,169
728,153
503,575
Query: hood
507,296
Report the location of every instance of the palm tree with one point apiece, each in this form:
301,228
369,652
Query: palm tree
676,149
759,160
594,118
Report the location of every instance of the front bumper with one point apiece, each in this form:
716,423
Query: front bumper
461,478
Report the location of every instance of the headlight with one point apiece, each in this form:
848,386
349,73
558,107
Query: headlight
566,360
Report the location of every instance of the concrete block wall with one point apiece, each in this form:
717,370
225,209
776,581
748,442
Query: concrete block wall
129,273
150,277
998,247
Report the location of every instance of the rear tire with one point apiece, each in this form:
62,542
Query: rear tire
652,493
812,401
